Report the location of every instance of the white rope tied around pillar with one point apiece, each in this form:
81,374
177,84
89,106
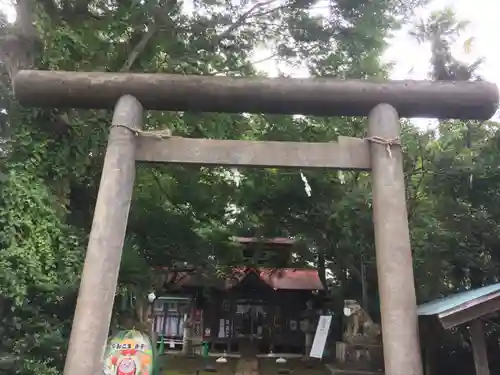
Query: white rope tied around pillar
160,134
388,143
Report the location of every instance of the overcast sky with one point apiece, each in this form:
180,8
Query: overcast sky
412,59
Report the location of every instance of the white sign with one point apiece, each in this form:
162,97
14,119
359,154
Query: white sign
320,337
222,326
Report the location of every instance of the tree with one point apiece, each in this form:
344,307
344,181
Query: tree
53,158
40,261
457,239
441,30
455,158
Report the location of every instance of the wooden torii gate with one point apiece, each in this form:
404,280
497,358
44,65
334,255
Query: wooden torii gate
384,103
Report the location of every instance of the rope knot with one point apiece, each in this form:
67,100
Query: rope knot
160,134
388,143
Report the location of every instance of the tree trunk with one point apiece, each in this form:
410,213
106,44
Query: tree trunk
322,269
17,50
364,286
187,339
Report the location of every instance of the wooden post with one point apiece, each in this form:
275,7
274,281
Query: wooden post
429,329
392,241
479,348
102,262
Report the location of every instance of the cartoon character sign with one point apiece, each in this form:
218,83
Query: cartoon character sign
126,367
129,353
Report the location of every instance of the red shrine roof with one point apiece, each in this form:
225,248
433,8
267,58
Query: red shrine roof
281,278
291,278
276,278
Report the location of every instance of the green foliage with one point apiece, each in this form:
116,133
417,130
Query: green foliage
180,215
40,262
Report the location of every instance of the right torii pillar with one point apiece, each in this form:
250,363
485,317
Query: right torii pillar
392,242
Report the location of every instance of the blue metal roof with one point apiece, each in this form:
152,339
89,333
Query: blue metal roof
442,305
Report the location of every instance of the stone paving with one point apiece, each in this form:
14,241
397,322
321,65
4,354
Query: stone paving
247,366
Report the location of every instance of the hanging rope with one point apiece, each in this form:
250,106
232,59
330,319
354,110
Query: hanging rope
307,187
160,134
388,143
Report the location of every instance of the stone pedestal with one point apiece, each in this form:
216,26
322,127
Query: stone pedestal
359,356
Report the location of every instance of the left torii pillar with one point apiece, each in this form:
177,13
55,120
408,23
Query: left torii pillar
104,252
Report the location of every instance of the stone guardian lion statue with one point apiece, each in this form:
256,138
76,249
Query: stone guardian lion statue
360,327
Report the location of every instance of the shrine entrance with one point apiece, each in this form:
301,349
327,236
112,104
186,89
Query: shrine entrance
249,325
380,152
250,318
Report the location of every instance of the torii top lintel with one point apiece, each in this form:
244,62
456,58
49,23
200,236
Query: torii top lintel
311,96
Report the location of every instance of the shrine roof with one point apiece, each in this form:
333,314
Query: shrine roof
280,278
291,278
466,305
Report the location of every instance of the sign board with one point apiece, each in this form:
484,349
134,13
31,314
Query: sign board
320,336
129,353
